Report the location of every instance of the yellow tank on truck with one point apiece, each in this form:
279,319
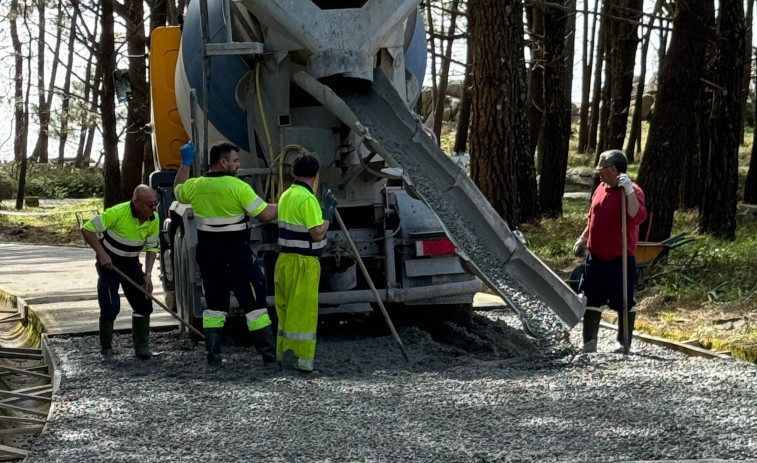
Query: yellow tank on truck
168,133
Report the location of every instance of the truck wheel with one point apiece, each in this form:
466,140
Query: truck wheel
187,294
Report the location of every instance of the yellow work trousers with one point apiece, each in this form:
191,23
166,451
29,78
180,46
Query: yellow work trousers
296,280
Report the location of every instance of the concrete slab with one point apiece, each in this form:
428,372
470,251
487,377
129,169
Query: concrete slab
59,284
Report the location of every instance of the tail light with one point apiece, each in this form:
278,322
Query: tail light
434,247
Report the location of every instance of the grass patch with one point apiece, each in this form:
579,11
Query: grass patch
55,225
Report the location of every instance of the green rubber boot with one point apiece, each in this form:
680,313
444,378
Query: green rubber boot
265,345
140,334
213,346
106,340
591,330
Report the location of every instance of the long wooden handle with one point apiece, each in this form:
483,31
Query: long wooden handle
626,335
370,283
163,306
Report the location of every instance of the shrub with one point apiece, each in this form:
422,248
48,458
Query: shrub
56,182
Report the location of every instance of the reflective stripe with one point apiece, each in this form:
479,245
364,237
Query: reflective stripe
254,205
223,224
294,243
297,336
226,228
152,244
213,318
98,223
305,364
293,227
255,314
261,322
207,313
299,244
125,241
220,220
119,252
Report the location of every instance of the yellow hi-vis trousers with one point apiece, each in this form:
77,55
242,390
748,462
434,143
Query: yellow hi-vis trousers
296,281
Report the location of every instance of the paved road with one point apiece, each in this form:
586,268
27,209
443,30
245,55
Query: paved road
59,283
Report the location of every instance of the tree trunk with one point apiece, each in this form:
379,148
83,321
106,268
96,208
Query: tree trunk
635,137
721,185
747,65
66,91
136,136
159,10
588,58
432,46
557,111
463,119
672,130
623,51
536,76
597,93
662,51
91,86
604,108
20,114
501,163
750,185
107,58
40,150
444,76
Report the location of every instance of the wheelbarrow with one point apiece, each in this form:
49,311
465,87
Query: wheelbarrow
648,254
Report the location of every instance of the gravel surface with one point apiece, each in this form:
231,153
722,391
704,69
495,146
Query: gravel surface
483,394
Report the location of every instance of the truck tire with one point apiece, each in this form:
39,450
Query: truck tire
187,294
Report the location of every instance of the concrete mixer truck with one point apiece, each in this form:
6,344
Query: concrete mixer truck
336,78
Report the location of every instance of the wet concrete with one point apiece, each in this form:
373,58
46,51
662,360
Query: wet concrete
60,283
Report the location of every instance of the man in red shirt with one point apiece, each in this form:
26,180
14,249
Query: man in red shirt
602,280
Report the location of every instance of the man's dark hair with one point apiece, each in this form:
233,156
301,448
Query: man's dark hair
221,150
305,165
615,158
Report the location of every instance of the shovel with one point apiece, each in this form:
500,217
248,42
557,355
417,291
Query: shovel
370,283
626,335
163,306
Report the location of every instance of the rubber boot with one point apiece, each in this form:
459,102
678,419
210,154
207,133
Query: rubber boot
265,344
140,334
213,346
591,330
106,340
631,322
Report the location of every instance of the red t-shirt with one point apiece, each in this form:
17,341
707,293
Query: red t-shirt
605,240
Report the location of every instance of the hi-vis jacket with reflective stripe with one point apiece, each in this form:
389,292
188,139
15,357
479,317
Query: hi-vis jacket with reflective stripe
220,202
120,232
299,211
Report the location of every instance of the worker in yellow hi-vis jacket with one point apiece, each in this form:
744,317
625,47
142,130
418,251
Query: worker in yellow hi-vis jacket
302,239
223,205
118,236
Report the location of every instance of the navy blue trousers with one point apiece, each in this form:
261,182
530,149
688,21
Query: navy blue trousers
107,288
227,269
602,282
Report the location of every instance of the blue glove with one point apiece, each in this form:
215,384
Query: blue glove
625,183
187,154
329,204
